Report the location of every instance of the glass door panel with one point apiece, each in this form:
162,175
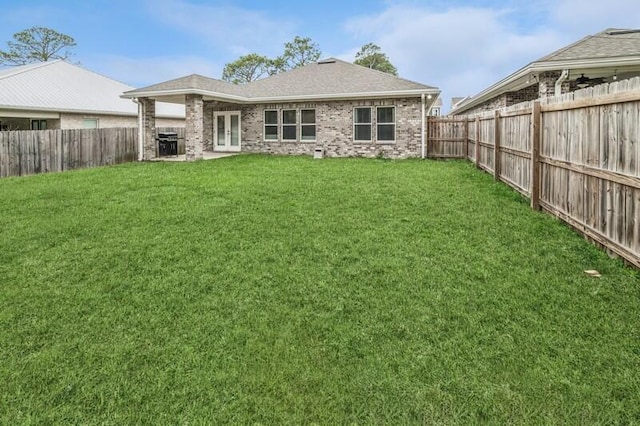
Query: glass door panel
221,133
227,131
235,130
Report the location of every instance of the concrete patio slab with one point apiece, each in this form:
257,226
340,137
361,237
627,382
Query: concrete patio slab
206,156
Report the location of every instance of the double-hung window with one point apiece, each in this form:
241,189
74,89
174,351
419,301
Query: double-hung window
308,124
271,125
362,124
386,124
289,125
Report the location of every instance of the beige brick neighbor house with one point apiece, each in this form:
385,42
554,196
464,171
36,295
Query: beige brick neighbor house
333,107
60,95
610,55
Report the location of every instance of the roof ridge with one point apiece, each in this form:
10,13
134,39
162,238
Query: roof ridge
620,31
28,67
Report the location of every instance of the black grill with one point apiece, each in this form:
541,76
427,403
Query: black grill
167,144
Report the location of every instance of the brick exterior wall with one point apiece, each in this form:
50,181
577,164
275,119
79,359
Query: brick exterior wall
334,129
548,84
149,125
545,87
490,105
507,99
523,95
194,127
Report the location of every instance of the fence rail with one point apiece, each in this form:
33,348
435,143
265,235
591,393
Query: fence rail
576,156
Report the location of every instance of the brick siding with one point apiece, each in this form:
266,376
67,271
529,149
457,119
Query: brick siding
334,129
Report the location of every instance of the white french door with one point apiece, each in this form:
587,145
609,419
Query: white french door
226,131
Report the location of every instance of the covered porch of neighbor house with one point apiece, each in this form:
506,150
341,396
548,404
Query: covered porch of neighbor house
212,127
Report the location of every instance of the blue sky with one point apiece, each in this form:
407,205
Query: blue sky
459,46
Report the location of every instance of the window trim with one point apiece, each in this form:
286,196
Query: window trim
264,125
283,124
394,124
314,125
370,124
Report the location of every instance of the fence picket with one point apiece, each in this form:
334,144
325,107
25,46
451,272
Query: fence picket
577,156
41,151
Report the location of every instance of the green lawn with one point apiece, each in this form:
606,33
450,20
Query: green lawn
258,289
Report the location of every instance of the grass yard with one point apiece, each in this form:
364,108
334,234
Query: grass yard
258,289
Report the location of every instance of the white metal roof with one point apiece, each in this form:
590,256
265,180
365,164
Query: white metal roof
62,87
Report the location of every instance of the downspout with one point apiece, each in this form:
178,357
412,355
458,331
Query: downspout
563,77
423,119
140,129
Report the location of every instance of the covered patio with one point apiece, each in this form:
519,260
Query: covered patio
220,121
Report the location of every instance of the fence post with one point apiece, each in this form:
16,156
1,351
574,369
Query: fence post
535,156
466,138
425,152
496,145
478,142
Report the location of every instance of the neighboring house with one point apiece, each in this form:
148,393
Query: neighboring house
331,106
455,101
59,95
436,108
610,55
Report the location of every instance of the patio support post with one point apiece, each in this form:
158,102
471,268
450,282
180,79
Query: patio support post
194,127
148,128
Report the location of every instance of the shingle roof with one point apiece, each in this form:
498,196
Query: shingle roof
611,48
606,44
195,81
61,86
328,78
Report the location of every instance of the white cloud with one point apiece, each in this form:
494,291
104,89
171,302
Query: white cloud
229,28
139,72
463,49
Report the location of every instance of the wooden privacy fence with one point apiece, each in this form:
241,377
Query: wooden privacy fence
42,151
576,156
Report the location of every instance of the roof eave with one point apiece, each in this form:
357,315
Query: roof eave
265,99
495,89
80,111
179,92
347,96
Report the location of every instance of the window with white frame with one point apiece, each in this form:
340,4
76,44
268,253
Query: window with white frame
270,125
362,124
386,124
289,125
308,124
